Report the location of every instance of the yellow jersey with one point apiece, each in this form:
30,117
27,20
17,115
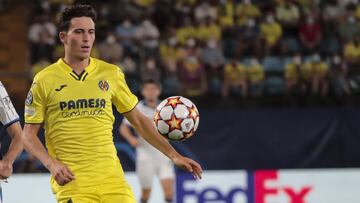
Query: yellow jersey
256,73
271,32
235,73
352,51
76,111
246,11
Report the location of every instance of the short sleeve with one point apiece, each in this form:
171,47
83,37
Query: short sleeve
123,99
8,114
35,103
126,122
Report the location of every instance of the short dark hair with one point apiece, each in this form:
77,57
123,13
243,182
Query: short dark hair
78,10
151,81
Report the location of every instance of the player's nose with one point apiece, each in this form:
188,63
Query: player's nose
86,37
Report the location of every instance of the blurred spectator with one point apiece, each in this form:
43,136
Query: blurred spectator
310,35
170,53
338,75
213,58
226,13
318,74
288,15
295,81
248,39
38,66
235,80
144,3
352,51
208,30
150,71
332,11
191,72
350,26
125,33
204,10
271,31
110,50
309,6
345,3
128,65
148,35
246,10
42,35
186,31
185,7
256,77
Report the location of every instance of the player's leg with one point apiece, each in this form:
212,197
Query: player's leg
166,174
145,169
145,195
167,186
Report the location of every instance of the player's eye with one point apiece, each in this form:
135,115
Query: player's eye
78,31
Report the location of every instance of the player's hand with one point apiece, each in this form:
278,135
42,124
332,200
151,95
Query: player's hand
6,169
188,165
60,172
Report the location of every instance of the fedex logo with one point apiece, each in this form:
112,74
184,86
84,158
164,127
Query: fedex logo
258,187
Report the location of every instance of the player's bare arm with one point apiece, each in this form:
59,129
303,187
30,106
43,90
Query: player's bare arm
33,145
128,135
15,148
145,128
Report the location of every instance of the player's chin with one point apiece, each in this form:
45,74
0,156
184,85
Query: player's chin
84,55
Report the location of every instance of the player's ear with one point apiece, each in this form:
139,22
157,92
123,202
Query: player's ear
62,36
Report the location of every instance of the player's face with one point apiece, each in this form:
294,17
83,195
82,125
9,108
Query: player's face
151,92
80,37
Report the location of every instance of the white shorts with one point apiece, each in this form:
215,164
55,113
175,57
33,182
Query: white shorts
149,165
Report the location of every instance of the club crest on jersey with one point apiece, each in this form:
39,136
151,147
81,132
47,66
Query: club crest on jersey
29,98
103,85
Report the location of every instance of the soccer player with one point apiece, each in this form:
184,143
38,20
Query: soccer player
10,119
72,99
150,161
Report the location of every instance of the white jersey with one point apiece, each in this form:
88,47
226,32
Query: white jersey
148,112
8,114
150,161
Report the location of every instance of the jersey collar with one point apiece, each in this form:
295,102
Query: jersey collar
69,70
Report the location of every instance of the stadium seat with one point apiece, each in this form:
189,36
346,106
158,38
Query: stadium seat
271,63
330,46
274,85
292,45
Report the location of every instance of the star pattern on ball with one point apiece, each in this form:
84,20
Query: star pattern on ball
157,116
174,123
189,134
173,101
193,113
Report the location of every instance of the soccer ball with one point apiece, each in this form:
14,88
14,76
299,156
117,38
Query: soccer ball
176,118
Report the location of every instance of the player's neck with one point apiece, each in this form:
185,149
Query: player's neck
151,103
78,65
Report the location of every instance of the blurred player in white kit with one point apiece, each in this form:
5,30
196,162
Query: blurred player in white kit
10,120
149,162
